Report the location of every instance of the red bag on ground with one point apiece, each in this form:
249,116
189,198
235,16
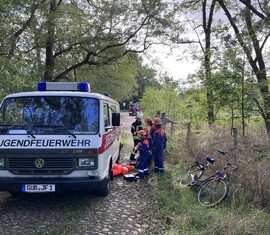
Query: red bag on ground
117,169
121,169
130,168
124,170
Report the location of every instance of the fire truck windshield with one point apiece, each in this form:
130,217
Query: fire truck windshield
50,115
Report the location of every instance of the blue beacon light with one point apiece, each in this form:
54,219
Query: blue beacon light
64,86
42,86
84,86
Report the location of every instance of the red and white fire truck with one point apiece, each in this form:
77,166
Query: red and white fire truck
134,108
59,138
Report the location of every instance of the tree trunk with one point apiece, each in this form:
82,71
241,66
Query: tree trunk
263,83
243,100
207,63
49,61
209,93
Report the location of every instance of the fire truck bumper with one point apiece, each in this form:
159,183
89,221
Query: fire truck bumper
40,185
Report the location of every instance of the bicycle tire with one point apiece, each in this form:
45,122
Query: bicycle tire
213,192
187,177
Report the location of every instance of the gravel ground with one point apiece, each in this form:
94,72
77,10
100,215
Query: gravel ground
131,208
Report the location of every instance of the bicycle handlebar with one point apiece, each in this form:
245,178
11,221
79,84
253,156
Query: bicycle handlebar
221,151
228,163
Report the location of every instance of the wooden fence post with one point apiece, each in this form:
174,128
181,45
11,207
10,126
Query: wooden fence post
188,135
172,129
235,138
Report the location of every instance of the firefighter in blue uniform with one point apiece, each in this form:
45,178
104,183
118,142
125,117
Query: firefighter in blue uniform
159,143
150,143
143,147
135,128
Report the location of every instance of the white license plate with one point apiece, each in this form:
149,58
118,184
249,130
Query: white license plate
38,188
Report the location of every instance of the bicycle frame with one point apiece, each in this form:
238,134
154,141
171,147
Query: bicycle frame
197,177
219,174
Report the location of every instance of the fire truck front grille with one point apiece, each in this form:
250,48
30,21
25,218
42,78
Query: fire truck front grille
40,166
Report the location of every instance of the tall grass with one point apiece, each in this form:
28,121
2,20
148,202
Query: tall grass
245,211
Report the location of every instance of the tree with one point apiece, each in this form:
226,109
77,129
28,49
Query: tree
206,9
117,80
194,103
145,77
19,68
164,99
67,35
252,36
207,24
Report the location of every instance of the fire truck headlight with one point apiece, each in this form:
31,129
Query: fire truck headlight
86,162
2,162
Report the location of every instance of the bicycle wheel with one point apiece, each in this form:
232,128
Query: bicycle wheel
212,192
187,178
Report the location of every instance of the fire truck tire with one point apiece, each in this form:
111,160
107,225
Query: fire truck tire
119,154
105,191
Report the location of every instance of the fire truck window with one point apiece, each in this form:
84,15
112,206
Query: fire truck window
106,115
113,108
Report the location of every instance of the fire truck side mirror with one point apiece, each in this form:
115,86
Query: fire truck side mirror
116,119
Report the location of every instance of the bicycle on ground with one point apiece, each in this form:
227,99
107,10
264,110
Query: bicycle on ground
212,189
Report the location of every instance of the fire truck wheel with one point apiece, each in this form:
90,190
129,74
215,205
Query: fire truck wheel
119,155
105,191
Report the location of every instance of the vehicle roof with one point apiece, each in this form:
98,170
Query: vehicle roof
61,93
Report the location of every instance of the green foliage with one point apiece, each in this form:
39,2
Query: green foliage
65,35
233,87
146,77
14,77
194,108
162,100
85,40
118,80
222,77
150,101
189,107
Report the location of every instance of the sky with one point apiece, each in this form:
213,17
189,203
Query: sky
179,70
169,62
